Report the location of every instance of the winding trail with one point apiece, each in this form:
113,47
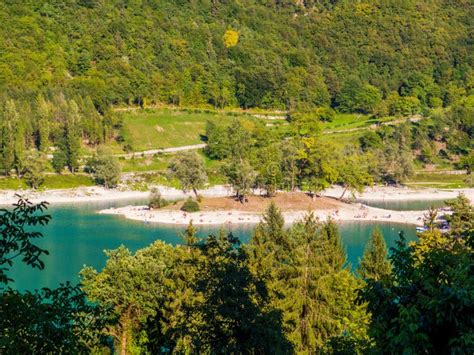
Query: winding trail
162,150
152,151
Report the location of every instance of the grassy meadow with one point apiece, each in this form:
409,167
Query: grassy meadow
164,128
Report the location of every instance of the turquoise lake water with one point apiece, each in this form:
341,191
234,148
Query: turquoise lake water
77,236
417,205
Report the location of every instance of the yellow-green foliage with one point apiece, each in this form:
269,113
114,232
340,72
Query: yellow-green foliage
231,38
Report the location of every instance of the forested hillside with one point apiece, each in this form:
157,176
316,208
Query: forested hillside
247,53
67,66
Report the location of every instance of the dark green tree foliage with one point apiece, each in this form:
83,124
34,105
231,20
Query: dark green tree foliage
43,112
215,303
270,175
269,250
287,52
356,96
174,325
235,315
316,287
72,136
375,264
42,123
334,253
190,205
59,160
56,321
426,304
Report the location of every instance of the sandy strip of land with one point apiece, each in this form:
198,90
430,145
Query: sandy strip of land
349,213
226,210
97,194
400,193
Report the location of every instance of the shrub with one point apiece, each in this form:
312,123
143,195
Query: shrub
156,200
190,206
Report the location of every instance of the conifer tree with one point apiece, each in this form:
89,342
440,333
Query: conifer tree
333,250
375,264
9,116
173,326
271,226
59,160
236,317
12,138
19,141
316,286
44,115
72,135
91,121
461,221
269,251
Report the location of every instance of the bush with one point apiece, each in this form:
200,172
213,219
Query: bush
156,201
190,206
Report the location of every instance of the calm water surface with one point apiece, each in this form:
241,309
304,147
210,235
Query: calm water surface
77,236
417,205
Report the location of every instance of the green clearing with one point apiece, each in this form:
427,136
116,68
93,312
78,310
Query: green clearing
344,121
68,181
55,181
12,183
439,180
154,129
342,138
157,162
163,128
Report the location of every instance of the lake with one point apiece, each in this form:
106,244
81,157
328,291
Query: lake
413,205
77,236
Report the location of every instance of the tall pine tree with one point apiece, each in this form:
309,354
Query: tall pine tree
43,121
375,264
270,253
318,289
72,135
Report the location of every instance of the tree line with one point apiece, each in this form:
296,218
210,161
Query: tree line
288,290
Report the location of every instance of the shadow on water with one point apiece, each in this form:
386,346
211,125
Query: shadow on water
77,236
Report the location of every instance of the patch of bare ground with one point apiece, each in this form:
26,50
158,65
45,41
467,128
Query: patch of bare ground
287,201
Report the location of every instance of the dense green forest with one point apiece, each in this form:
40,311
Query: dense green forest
289,290
276,54
66,64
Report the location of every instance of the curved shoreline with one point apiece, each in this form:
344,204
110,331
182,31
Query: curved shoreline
231,217
97,194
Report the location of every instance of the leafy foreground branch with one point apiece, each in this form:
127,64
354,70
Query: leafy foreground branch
44,321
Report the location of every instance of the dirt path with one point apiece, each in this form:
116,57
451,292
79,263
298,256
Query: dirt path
152,151
412,119
162,150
